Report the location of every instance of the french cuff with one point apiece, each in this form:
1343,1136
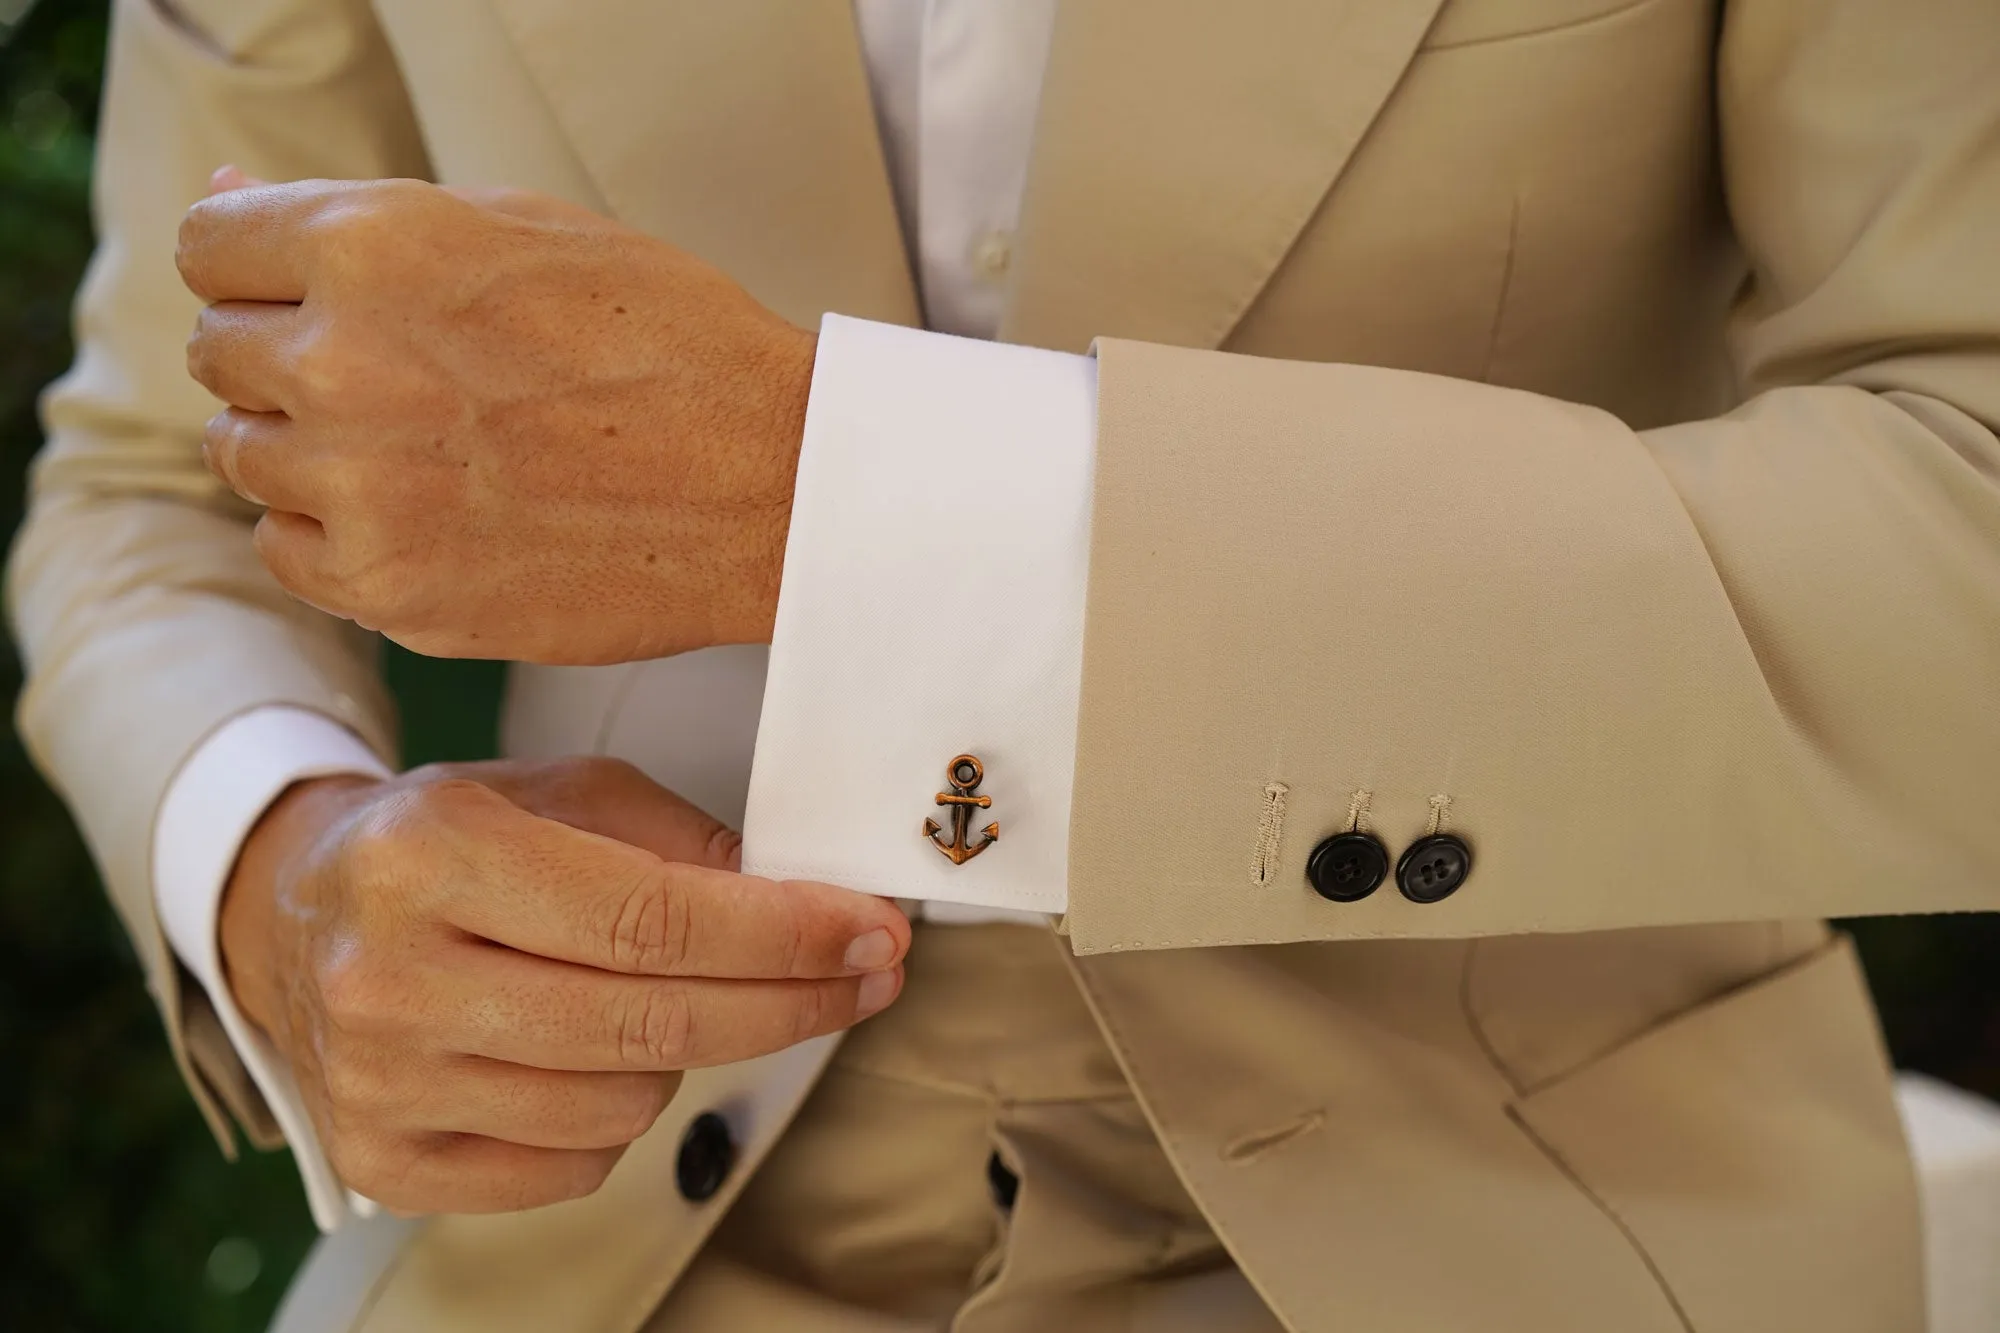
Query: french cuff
931,607
214,801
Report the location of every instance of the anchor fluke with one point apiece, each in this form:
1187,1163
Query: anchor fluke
963,774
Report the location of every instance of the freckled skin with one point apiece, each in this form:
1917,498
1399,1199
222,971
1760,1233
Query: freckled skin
464,443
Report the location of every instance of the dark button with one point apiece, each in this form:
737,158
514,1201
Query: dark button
1004,1183
1433,868
708,1151
1347,867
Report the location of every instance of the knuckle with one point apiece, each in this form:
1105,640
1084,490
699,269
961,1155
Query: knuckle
379,594
371,222
656,1030
277,546
391,587
809,1017
353,1087
652,932
406,840
355,994
322,370
451,799
359,1163
380,849
793,944
352,221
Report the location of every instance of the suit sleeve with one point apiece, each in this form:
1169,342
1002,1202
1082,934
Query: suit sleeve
1733,669
145,617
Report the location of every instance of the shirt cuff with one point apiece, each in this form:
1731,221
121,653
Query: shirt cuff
931,606
215,799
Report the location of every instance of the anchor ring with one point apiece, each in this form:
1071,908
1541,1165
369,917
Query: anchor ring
965,763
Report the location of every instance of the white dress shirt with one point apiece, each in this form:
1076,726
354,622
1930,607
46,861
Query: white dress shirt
932,600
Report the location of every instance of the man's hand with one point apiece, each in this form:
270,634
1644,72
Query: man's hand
493,424
488,976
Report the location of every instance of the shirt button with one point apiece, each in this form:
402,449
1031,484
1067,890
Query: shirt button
992,255
1433,868
708,1151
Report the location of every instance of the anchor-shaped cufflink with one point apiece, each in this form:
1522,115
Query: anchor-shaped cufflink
964,774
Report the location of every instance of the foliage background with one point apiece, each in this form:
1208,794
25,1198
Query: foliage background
116,1212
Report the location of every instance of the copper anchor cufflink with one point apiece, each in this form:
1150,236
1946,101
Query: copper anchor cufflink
964,773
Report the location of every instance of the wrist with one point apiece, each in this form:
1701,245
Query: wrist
250,921
788,384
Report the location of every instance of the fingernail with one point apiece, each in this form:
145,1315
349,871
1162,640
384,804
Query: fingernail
877,989
876,949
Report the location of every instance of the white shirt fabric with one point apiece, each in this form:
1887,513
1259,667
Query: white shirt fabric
963,633
932,601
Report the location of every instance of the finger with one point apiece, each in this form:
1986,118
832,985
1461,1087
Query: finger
524,1010
614,799
465,1173
586,899
542,1108
545,888
295,548
256,454
241,351
258,242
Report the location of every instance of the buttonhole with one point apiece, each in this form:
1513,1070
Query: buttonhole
1248,1148
1270,830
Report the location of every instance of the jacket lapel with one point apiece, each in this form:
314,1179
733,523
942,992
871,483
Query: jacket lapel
742,132
1180,148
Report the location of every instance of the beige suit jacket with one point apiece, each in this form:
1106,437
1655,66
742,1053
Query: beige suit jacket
1566,423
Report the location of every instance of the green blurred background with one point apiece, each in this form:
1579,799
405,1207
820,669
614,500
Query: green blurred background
116,1212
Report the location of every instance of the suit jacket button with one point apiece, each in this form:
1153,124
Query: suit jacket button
1347,867
1433,868
708,1151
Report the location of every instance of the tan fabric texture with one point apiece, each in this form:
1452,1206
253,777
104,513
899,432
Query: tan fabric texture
875,1215
1571,422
